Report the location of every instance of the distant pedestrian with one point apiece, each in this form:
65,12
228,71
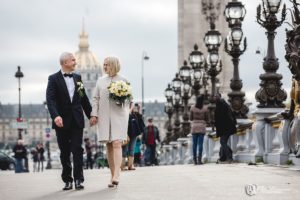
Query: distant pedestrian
88,150
136,127
20,154
225,123
150,138
34,159
199,118
40,156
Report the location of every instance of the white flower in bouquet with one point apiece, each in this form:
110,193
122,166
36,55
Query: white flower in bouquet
120,92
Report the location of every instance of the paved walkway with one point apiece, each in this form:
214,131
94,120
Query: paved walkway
181,182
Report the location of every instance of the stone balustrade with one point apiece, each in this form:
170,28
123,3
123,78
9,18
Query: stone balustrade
266,139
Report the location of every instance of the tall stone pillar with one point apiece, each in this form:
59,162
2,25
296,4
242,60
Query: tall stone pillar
192,27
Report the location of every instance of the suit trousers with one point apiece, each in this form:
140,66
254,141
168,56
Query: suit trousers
70,141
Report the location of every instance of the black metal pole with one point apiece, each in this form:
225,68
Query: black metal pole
49,166
20,111
236,96
144,57
169,128
19,75
143,106
186,128
176,123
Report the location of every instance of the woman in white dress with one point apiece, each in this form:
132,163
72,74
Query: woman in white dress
111,119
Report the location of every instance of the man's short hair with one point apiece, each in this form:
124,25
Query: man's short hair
150,119
64,56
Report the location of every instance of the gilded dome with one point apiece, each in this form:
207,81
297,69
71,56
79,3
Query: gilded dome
86,60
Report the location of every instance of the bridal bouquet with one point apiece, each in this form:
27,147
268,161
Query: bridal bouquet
120,92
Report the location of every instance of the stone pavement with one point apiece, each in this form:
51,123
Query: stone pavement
184,182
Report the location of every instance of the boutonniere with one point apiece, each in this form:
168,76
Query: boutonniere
80,89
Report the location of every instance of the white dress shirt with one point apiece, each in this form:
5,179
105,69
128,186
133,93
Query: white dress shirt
70,85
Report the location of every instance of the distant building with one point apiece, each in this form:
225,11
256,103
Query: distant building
88,66
34,114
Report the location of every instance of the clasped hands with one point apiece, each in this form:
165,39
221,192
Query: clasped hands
93,120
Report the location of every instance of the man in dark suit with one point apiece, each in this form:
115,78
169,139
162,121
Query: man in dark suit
225,123
66,100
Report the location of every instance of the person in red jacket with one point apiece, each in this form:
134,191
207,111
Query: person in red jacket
150,137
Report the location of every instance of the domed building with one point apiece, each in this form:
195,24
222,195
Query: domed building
88,64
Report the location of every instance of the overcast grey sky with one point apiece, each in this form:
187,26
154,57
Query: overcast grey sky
35,32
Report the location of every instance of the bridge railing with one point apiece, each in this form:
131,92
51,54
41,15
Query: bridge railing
269,144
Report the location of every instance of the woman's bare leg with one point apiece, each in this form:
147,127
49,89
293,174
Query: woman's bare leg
117,157
110,158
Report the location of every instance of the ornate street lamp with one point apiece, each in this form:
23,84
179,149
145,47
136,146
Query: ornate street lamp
177,104
186,76
145,57
169,93
270,95
197,61
19,75
212,39
176,84
196,58
169,111
185,72
235,13
214,68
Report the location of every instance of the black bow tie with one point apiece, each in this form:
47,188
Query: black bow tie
68,75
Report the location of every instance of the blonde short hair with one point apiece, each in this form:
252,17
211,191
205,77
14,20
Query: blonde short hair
114,65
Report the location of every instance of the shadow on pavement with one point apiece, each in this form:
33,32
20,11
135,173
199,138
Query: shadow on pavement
82,194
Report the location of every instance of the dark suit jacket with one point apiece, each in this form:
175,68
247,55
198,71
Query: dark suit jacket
59,103
225,120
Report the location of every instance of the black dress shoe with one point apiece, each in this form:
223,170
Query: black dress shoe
78,185
68,186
